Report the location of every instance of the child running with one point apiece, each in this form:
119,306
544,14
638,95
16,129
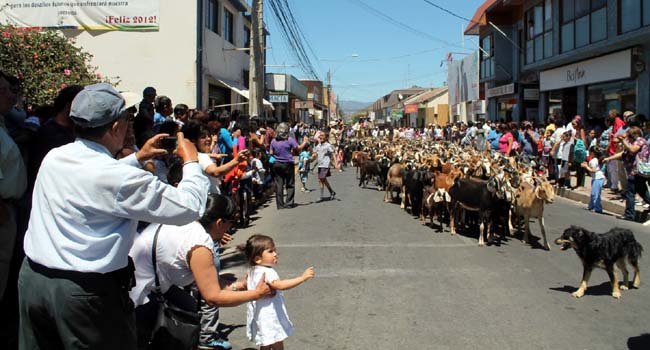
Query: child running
324,152
268,324
304,159
597,179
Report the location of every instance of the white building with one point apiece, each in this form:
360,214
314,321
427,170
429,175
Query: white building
195,57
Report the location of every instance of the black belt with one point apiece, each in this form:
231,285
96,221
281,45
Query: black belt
124,276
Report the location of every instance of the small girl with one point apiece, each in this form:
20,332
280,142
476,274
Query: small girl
597,181
304,159
268,324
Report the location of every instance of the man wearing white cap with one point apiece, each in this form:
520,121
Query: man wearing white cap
73,286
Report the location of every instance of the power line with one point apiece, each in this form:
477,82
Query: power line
293,35
400,24
450,12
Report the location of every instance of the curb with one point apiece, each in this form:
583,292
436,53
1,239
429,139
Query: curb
617,208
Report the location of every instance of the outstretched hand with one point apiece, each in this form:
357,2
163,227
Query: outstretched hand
308,274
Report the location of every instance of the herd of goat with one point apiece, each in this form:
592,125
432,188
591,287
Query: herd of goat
456,184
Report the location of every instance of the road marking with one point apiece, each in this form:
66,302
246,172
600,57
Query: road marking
467,242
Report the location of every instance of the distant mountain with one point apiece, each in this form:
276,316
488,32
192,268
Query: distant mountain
351,107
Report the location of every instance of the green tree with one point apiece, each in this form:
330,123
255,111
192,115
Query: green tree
45,62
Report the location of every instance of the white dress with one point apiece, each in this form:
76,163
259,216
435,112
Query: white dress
267,319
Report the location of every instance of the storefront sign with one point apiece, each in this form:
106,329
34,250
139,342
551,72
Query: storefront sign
88,15
531,94
413,108
605,68
500,90
397,115
303,104
279,98
478,107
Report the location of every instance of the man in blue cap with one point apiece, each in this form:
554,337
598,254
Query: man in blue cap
73,286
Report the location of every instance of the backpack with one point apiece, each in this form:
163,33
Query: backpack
579,152
643,165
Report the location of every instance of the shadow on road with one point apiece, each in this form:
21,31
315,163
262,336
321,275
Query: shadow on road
604,288
232,259
640,342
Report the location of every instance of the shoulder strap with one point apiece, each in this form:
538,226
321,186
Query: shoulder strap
153,258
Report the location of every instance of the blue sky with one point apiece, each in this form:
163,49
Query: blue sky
339,29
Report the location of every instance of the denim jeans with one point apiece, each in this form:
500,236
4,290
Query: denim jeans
635,184
594,201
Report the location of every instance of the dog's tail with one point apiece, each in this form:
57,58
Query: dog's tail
633,249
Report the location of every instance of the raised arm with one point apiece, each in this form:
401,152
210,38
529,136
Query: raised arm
294,282
206,277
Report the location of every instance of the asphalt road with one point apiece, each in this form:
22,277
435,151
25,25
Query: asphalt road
385,281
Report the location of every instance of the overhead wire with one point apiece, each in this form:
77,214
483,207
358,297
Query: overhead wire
400,24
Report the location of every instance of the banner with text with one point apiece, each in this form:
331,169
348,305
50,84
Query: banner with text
80,14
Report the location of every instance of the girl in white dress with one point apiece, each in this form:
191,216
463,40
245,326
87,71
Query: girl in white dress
268,324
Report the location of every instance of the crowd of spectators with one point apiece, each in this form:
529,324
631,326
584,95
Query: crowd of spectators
240,156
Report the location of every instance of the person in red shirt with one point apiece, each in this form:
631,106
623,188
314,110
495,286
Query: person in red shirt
613,165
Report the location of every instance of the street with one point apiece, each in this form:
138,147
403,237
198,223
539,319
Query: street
385,281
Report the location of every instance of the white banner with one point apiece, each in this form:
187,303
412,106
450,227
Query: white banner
463,79
82,14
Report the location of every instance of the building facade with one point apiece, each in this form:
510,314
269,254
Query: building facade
198,56
428,107
564,57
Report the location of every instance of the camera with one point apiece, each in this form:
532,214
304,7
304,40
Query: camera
169,143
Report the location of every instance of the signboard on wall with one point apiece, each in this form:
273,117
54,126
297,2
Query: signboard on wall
610,67
88,15
531,94
279,98
500,90
412,108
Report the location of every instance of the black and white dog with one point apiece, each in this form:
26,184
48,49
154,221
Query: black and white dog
610,250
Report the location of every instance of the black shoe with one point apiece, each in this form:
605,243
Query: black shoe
332,195
623,217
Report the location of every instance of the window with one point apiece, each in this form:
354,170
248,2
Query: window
228,26
212,15
247,36
633,14
539,41
487,57
582,22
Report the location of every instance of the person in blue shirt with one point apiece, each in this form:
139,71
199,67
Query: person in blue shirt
304,160
74,282
164,110
493,138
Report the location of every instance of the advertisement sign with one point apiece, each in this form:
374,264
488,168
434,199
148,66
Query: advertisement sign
397,115
88,15
278,98
463,79
605,68
303,104
412,108
531,94
500,90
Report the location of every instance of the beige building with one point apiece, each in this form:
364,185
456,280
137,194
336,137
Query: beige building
195,57
429,107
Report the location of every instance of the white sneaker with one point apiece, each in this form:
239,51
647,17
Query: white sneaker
647,223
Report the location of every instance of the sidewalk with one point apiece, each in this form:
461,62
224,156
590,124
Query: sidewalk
611,202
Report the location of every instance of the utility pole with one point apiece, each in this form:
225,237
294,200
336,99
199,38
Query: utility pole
256,69
329,96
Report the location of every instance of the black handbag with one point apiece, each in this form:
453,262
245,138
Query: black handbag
178,322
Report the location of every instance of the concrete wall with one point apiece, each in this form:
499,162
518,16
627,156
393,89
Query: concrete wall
220,61
164,59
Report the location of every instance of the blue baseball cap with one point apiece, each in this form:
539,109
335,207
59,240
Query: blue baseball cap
97,105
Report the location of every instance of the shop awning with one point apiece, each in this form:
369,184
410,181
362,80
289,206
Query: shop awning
479,18
242,91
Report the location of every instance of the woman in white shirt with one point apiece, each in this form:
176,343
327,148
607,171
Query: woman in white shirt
184,255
